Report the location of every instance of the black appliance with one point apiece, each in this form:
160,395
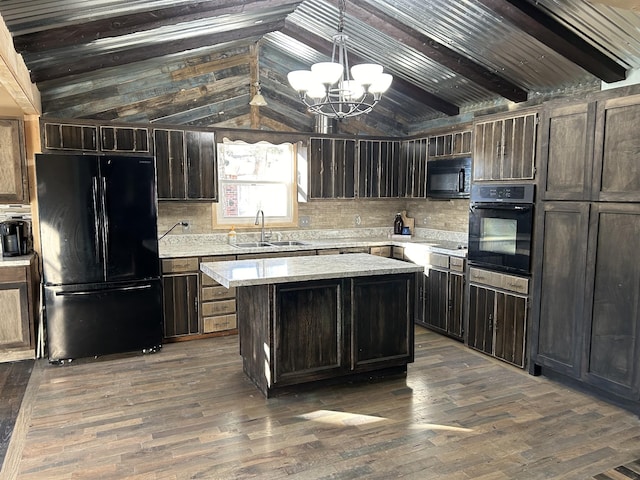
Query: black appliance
16,238
103,291
449,178
501,227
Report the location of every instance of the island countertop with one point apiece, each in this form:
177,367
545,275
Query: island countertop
240,273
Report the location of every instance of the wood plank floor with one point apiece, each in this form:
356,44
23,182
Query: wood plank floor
14,377
189,412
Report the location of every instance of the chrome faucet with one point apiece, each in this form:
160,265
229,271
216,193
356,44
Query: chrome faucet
261,213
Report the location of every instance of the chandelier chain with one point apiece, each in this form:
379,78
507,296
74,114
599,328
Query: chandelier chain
342,5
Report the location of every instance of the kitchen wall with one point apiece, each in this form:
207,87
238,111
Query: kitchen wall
449,215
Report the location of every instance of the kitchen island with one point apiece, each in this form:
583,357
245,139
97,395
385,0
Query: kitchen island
313,319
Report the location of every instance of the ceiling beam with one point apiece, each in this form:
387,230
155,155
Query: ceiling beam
148,20
415,93
438,52
554,35
123,57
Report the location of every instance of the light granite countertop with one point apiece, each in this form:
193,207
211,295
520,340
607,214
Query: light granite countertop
19,261
238,273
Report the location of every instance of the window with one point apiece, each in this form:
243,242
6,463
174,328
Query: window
254,177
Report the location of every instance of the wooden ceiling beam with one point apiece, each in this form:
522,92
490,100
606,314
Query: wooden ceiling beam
556,36
415,93
86,32
114,59
438,52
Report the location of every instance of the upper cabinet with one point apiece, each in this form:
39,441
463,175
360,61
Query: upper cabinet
59,136
13,175
617,151
504,148
378,168
450,144
186,165
332,168
412,179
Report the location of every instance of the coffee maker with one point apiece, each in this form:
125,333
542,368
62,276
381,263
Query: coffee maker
15,237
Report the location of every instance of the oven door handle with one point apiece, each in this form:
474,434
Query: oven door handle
500,206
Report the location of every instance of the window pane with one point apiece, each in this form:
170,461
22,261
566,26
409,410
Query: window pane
244,200
256,162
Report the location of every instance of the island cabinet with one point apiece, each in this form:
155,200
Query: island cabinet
440,295
186,164
498,305
18,295
504,148
332,168
586,319
13,170
320,330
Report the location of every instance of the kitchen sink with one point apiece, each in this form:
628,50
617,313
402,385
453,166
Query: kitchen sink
252,245
287,243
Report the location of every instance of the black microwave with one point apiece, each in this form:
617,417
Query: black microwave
449,178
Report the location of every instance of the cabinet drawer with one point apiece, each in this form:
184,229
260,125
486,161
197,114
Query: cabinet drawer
179,265
515,284
216,292
219,323
13,274
485,277
218,258
381,251
218,308
439,260
456,264
398,253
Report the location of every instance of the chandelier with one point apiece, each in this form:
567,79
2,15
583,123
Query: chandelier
327,90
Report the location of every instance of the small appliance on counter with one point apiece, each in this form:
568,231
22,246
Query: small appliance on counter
16,238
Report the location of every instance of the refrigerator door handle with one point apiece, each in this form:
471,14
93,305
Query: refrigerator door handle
93,292
96,221
105,226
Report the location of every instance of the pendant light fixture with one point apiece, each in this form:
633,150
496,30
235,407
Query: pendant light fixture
328,89
257,100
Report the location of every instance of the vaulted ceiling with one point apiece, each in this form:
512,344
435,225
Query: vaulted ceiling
196,62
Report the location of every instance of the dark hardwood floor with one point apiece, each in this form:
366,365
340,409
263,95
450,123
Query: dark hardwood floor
189,412
14,377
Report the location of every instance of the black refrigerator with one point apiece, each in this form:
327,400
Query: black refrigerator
101,271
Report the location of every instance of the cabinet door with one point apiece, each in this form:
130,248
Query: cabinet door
412,168
381,330
481,313
487,151
558,316
308,332
14,312
58,136
566,152
455,314
613,339
201,166
124,139
436,299
13,175
617,155
180,297
510,327
170,163
332,168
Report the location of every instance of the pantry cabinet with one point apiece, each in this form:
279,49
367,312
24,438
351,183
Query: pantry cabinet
332,168
504,148
13,170
498,305
186,165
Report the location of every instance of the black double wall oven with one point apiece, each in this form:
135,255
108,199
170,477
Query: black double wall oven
501,227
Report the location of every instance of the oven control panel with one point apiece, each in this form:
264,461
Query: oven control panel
521,193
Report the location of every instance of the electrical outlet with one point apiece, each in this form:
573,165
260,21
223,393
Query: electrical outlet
304,221
357,220
186,226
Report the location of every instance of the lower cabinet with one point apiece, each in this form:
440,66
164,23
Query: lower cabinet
17,312
217,303
440,295
498,315
302,332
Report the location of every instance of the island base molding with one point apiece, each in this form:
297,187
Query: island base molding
310,333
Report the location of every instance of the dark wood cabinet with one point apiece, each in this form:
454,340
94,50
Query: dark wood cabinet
440,295
72,137
124,139
617,151
324,329
566,152
559,290
332,168
504,148
450,144
13,170
378,169
412,173
498,311
186,165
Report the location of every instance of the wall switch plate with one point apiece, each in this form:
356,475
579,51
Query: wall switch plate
357,220
304,221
